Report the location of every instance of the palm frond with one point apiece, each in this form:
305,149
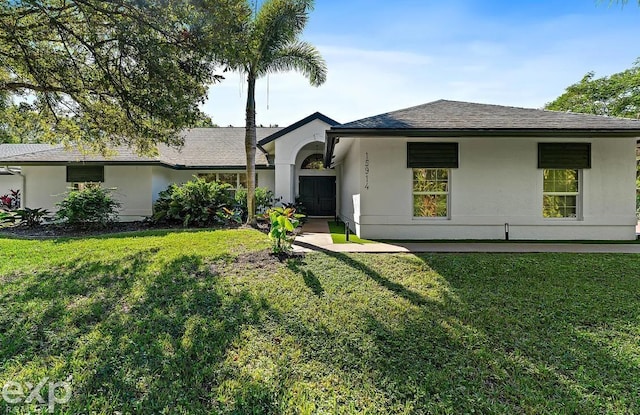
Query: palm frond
278,24
302,57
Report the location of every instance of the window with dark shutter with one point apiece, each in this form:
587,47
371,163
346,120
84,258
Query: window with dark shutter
432,155
84,174
564,155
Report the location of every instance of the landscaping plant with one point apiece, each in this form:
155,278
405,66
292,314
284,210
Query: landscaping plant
284,220
91,205
11,200
264,199
31,217
195,203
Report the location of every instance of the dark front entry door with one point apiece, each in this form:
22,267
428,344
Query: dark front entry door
318,195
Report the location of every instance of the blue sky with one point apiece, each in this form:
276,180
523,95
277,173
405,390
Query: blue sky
387,55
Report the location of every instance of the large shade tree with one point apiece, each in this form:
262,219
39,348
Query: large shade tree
270,43
109,72
616,95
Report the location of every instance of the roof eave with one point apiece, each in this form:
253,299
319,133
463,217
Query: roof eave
483,132
298,124
74,163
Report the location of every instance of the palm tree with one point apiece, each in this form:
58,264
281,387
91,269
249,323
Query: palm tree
269,44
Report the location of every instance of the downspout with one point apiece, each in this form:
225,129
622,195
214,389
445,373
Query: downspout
23,196
270,162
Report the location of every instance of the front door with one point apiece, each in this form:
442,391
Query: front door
318,195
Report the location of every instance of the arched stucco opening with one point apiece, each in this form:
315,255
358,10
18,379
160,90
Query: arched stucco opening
315,185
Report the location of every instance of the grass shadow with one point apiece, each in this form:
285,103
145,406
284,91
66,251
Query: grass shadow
136,337
309,277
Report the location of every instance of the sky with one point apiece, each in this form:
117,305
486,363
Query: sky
387,55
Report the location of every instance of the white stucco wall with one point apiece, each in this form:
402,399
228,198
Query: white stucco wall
136,187
287,156
9,182
497,182
132,188
46,185
350,184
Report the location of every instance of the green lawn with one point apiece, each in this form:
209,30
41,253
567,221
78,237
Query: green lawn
204,322
337,230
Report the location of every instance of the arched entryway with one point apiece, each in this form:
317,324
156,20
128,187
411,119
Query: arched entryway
316,185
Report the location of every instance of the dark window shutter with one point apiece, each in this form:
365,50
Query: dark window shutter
432,155
81,174
564,155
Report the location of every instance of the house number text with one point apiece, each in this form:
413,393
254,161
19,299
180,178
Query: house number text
366,171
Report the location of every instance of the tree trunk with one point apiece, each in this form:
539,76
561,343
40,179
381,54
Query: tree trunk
250,149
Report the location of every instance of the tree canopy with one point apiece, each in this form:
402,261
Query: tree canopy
110,72
270,42
615,95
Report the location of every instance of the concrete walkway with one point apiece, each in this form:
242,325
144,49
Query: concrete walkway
315,237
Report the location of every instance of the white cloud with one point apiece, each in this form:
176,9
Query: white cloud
511,63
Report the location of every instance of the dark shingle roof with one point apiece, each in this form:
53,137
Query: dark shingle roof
10,150
455,115
296,125
209,147
203,147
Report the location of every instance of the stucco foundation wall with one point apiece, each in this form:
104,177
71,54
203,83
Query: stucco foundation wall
497,182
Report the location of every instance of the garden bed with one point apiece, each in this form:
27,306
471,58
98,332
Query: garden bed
63,231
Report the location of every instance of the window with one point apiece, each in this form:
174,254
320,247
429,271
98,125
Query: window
431,193
236,180
313,162
431,164
85,174
562,165
561,193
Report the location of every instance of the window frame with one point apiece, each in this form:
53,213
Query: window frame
70,179
319,158
435,193
578,195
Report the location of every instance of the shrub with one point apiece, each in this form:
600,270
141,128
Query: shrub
283,223
32,217
264,200
299,207
91,205
195,203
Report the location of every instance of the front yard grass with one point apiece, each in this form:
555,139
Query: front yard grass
337,231
207,322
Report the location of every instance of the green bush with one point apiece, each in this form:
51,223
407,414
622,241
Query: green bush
32,217
283,222
92,205
264,200
195,203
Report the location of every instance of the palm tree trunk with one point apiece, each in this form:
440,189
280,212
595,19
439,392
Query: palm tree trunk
250,149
